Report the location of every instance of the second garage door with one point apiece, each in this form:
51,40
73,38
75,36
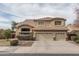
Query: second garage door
60,36
44,36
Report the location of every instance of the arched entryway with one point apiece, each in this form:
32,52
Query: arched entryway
24,32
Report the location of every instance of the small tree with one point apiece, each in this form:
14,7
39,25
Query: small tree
13,25
76,39
7,34
2,34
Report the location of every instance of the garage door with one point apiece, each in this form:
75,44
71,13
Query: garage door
60,36
44,36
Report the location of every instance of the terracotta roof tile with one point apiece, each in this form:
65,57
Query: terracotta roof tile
73,27
31,22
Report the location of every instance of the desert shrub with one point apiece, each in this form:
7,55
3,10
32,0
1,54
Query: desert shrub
76,39
14,42
24,37
54,38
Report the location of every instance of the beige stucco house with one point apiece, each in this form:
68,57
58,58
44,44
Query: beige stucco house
46,28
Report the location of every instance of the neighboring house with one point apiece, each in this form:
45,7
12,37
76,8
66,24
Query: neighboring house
47,28
73,31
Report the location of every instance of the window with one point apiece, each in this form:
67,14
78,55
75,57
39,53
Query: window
40,22
57,22
25,29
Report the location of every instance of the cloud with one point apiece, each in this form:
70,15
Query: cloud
21,11
4,23
2,19
25,10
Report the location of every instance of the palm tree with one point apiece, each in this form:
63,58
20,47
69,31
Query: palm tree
13,25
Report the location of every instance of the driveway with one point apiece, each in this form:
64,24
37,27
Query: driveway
44,46
50,47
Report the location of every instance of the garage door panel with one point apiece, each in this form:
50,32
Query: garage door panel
60,37
45,36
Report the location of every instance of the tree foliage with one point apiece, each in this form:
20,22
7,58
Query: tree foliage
7,33
2,34
13,24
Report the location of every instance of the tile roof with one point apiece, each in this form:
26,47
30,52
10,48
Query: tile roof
73,27
31,23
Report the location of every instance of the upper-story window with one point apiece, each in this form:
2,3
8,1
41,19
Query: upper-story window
40,23
57,22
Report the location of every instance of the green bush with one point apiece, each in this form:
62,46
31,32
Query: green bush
7,33
14,42
77,41
76,38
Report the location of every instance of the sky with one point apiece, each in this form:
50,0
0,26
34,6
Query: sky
18,12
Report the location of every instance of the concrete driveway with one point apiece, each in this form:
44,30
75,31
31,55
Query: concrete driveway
44,46
53,47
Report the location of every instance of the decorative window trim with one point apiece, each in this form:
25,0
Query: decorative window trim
56,22
40,23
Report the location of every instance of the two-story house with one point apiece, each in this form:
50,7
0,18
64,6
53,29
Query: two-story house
46,28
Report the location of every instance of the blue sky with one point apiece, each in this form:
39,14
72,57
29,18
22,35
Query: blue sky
21,11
